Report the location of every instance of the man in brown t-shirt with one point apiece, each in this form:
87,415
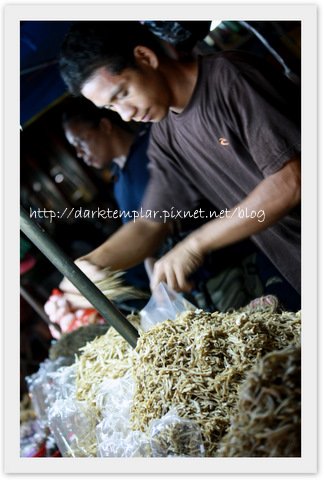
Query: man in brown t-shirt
224,129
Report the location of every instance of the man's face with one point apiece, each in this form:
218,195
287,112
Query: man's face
139,94
91,143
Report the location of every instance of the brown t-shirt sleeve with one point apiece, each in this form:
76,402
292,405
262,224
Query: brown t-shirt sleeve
261,120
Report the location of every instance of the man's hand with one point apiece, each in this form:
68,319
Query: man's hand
175,267
91,271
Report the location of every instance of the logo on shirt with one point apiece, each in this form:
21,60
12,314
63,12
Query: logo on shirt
223,141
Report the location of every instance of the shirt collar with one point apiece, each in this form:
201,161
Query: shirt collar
120,161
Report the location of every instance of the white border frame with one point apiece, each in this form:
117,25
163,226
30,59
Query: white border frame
13,14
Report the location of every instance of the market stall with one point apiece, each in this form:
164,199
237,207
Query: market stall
128,372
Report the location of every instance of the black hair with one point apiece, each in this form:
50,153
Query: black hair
79,109
91,45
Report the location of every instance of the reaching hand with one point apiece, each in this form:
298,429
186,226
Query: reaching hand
89,269
175,267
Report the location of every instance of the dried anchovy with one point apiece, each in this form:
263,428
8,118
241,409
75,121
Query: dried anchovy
268,421
197,363
108,356
112,286
176,439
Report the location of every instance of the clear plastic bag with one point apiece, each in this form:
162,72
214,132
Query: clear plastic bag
173,436
125,443
115,395
73,425
165,304
63,384
32,435
114,436
40,386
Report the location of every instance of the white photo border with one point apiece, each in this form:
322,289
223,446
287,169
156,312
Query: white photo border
307,14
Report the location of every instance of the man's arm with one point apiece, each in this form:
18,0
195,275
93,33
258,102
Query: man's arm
276,195
130,245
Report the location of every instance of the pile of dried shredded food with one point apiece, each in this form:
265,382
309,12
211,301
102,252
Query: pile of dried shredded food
268,421
198,362
107,356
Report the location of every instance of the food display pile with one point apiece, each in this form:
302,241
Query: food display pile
203,384
198,362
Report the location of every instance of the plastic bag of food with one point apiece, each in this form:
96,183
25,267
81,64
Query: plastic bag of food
62,313
32,435
114,436
73,425
124,443
115,395
173,436
40,386
63,384
165,304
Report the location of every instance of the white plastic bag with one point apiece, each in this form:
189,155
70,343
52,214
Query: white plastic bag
73,425
125,443
40,386
164,304
115,395
63,383
114,436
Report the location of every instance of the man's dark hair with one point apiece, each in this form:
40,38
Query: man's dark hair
81,110
91,45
